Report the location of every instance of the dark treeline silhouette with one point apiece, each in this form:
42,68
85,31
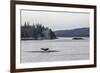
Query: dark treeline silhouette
36,32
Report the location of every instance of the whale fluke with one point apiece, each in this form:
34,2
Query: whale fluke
44,49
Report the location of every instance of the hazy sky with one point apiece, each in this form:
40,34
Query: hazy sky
56,20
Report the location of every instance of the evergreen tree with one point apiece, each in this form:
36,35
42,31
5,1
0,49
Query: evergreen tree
52,35
36,31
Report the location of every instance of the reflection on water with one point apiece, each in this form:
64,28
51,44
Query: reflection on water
62,49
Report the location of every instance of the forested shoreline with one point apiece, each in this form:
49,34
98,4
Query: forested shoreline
36,32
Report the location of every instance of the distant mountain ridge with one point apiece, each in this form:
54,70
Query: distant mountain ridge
78,32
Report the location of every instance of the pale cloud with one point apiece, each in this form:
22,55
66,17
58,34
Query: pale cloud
56,20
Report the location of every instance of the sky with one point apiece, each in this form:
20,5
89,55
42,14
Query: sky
56,20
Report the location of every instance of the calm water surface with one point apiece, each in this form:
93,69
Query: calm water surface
64,49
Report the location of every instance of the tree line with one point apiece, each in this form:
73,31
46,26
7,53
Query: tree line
36,32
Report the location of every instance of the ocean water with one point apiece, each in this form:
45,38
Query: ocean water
62,49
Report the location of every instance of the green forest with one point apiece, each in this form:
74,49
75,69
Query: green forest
36,32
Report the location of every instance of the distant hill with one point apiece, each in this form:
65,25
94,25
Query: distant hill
79,32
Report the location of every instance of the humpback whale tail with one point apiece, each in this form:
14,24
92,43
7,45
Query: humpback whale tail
45,49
